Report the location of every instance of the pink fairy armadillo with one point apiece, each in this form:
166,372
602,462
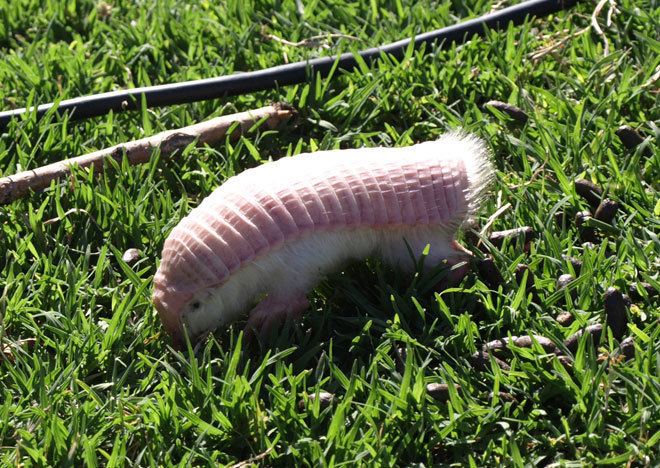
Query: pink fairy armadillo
270,233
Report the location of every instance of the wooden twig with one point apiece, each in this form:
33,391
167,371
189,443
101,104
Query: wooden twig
596,27
313,41
538,54
9,349
498,5
140,151
493,217
252,460
653,80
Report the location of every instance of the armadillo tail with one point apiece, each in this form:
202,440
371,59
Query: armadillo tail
479,167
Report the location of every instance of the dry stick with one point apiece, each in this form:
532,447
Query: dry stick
652,81
253,460
312,41
140,151
554,46
596,26
320,40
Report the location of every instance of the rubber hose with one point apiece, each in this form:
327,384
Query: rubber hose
283,75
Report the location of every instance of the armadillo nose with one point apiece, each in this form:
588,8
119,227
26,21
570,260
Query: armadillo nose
169,305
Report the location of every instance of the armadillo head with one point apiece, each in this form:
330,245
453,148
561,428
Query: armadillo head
182,283
186,307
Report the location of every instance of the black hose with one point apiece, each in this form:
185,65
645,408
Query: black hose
292,73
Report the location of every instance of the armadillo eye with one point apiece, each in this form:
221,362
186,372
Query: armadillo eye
196,305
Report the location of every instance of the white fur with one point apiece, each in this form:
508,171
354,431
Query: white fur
474,154
295,268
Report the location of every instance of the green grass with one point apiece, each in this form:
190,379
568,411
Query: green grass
92,379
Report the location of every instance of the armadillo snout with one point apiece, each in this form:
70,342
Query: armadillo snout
169,303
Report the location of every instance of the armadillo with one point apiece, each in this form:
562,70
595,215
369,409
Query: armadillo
265,238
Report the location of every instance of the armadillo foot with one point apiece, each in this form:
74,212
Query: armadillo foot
273,312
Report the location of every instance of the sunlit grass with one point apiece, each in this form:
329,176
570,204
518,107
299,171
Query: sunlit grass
88,376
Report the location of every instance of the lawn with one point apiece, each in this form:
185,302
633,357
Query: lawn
87,374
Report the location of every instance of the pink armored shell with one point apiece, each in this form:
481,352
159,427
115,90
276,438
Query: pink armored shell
255,213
